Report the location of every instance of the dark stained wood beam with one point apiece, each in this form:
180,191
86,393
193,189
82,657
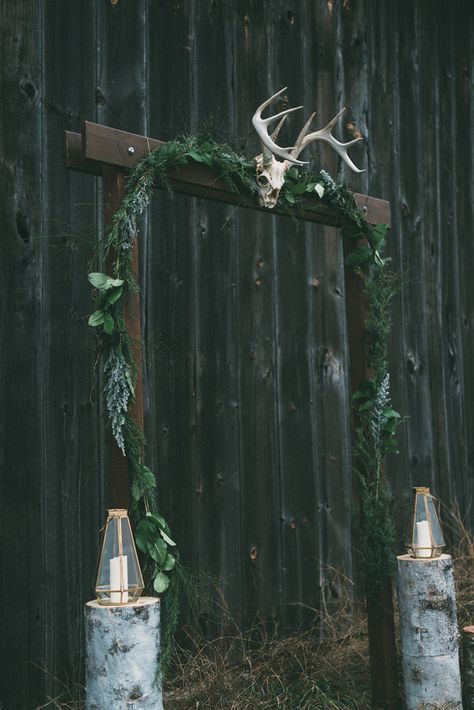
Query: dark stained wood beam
74,157
101,145
114,184
381,628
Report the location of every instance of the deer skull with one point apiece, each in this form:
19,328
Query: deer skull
270,171
270,179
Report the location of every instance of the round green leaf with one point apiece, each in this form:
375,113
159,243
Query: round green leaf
98,280
114,295
108,324
160,583
103,282
169,563
96,318
158,551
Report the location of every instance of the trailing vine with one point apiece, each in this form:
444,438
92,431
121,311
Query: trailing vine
376,420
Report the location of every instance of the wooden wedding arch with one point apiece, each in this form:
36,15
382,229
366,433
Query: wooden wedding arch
110,153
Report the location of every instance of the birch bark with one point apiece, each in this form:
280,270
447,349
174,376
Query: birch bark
429,633
122,661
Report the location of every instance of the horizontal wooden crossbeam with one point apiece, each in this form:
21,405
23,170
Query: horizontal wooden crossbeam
100,145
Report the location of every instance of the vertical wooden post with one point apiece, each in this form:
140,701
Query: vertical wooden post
114,182
381,627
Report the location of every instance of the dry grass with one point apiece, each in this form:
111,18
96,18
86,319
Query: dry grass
68,695
463,555
322,668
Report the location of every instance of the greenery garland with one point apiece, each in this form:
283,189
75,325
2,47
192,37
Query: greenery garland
376,420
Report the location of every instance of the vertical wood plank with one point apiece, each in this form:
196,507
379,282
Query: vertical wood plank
292,309
170,323
259,456
121,100
210,240
463,24
455,120
71,475
21,355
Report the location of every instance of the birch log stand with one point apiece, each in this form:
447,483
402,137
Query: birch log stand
429,633
122,656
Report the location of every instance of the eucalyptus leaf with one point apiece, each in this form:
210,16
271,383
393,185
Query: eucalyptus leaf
136,492
297,189
195,156
158,551
148,476
169,563
319,189
145,529
362,254
160,583
96,318
108,324
200,157
113,283
167,538
103,282
98,280
113,295
128,375
161,522
376,235
140,543
391,414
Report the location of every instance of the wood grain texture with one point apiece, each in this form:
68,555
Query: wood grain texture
22,354
71,450
99,144
246,355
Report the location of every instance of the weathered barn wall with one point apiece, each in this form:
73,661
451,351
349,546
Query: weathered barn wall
246,358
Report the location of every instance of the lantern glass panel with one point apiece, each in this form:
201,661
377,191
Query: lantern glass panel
425,537
119,578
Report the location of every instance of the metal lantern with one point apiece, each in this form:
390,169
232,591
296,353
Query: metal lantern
425,537
119,578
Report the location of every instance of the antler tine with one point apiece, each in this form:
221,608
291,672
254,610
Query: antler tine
298,144
324,134
277,130
261,126
285,113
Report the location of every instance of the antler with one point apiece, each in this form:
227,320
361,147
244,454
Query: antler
324,134
269,146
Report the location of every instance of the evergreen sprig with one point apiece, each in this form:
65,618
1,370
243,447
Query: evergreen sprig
376,422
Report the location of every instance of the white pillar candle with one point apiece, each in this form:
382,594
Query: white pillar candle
423,539
118,574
